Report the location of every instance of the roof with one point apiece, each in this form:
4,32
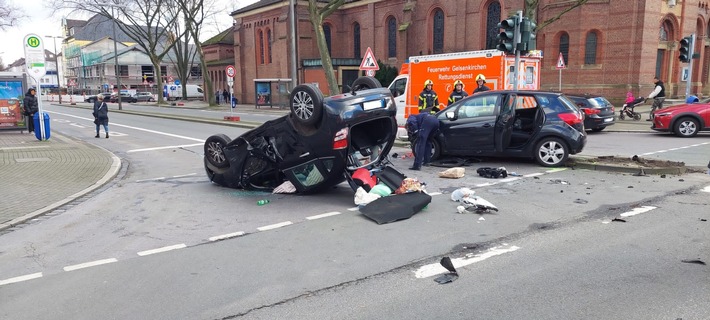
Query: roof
71,23
265,3
224,37
98,27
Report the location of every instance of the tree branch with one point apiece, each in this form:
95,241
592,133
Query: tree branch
558,16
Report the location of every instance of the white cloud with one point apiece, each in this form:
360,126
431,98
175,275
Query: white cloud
44,21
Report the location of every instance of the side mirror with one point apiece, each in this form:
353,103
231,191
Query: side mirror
451,115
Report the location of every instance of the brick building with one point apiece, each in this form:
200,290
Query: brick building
219,53
609,46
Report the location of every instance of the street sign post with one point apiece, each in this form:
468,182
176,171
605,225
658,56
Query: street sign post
231,72
561,65
36,69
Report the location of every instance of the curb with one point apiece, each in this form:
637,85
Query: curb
110,174
582,162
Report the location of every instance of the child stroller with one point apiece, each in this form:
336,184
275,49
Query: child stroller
628,110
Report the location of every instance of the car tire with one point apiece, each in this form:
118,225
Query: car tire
435,150
214,150
686,127
151,100
599,129
306,104
215,177
551,152
365,83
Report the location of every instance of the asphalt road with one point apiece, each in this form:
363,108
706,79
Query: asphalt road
154,236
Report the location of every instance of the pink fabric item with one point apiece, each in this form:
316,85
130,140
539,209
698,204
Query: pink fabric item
629,97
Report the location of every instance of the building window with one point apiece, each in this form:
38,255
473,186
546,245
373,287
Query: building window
268,43
492,20
122,71
564,47
260,36
356,40
326,32
438,32
391,37
590,49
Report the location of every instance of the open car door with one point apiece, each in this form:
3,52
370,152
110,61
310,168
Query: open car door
504,122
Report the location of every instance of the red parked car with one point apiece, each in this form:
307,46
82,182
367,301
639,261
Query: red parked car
685,120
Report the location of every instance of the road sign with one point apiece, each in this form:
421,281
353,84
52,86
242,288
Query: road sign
177,82
72,83
170,79
369,62
370,73
561,62
34,57
231,71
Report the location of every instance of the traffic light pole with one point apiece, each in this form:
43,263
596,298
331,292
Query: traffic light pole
691,51
516,43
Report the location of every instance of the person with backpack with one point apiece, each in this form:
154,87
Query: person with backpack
100,115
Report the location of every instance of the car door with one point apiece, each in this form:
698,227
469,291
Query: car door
504,121
469,127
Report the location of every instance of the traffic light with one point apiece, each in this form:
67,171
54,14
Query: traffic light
527,36
506,39
685,44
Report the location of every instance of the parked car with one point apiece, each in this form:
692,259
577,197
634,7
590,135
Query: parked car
545,126
598,111
92,98
143,97
125,97
684,120
319,144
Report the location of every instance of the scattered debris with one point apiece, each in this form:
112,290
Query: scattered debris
395,155
581,201
481,219
286,187
449,277
695,261
494,173
381,190
630,187
618,220
641,173
663,176
363,197
410,185
396,207
461,193
453,173
704,220
514,174
470,202
559,181
681,180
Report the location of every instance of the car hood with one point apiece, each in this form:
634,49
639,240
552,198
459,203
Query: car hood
683,107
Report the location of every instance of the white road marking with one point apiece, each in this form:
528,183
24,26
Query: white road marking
89,264
354,209
163,249
21,278
553,170
533,174
674,149
152,179
485,184
275,226
636,211
436,268
78,125
184,175
435,194
134,128
227,236
166,147
706,189
324,215
20,148
510,179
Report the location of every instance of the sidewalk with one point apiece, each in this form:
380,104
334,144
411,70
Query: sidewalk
39,176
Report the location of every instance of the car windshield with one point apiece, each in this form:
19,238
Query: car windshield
599,102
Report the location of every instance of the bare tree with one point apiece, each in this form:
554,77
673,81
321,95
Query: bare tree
532,6
147,24
184,51
317,15
10,15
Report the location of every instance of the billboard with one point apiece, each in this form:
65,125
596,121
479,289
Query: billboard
11,95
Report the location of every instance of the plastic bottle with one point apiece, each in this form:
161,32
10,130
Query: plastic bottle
262,202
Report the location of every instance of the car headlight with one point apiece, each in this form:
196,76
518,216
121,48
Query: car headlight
663,114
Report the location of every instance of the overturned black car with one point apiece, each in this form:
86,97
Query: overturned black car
319,144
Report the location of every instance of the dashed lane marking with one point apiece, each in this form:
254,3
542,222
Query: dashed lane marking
324,215
275,226
89,264
165,147
77,125
21,278
163,178
227,236
436,268
706,189
163,249
674,149
636,211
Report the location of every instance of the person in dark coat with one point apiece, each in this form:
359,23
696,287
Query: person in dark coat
225,95
216,96
458,92
481,82
30,107
100,115
428,98
424,125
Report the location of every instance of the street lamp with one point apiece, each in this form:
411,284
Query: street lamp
56,65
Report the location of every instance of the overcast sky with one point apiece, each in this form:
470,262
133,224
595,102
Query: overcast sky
45,22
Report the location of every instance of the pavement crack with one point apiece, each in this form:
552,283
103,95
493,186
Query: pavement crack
31,252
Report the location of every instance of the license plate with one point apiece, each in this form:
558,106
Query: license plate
372,105
608,119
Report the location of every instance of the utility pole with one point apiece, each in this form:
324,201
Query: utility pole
56,63
294,59
115,60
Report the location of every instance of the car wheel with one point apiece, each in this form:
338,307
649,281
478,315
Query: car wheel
598,129
306,104
686,127
551,152
435,150
151,100
365,83
214,150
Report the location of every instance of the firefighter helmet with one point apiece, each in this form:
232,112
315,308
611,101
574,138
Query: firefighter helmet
481,77
459,82
428,82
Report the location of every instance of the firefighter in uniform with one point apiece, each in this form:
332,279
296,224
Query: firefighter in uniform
458,92
481,81
428,98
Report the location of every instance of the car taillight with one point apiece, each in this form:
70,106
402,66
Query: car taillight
340,141
589,111
570,118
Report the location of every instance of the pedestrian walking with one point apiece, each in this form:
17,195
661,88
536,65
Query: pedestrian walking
216,96
225,95
30,107
458,92
428,98
424,125
100,115
658,95
481,82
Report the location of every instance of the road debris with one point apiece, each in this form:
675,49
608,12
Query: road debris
448,277
453,173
